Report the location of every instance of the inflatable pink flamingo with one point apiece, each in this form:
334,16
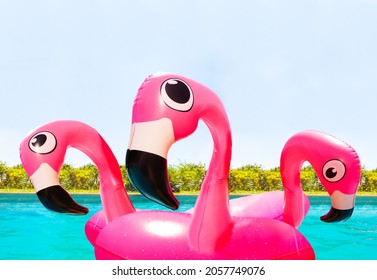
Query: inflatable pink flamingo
337,166
167,108
42,154
211,232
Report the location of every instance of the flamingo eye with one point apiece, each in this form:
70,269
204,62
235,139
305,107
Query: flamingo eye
177,95
43,143
334,170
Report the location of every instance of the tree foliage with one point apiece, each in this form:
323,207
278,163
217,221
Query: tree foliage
184,177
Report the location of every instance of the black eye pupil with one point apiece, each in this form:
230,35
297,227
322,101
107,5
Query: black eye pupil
178,92
331,173
39,140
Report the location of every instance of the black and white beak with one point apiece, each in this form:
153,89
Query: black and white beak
341,209
146,161
51,194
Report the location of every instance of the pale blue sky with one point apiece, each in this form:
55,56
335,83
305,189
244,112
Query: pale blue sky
279,67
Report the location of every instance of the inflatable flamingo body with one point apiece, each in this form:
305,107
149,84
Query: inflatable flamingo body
267,205
167,108
165,235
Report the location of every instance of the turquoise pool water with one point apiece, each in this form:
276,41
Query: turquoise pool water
29,232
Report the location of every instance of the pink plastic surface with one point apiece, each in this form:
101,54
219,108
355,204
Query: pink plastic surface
215,229
326,154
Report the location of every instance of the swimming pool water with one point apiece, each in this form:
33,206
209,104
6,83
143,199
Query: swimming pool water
30,232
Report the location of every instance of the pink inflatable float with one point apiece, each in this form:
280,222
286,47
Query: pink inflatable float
167,109
267,205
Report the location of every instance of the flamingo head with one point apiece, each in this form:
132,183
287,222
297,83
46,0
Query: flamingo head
42,154
340,175
167,108
336,164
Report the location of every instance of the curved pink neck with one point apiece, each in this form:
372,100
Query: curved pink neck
114,198
211,221
294,210
309,146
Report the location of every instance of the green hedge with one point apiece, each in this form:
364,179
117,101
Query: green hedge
185,177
